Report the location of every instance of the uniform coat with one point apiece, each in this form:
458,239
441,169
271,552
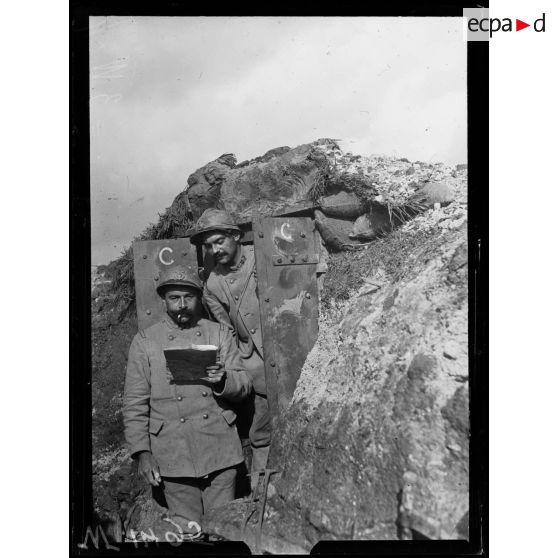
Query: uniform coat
189,429
231,296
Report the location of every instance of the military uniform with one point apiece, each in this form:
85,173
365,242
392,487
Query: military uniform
230,295
189,429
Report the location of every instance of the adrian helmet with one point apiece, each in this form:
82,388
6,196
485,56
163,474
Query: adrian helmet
179,276
213,220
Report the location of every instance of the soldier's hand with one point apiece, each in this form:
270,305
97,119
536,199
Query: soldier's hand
215,373
148,468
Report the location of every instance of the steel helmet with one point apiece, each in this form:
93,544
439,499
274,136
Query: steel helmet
179,276
213,220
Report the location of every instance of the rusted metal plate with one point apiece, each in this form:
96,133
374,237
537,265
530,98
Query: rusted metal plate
302,208
296,259
150,258
288,294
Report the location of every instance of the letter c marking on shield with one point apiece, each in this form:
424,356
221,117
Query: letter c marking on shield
286,235
163,261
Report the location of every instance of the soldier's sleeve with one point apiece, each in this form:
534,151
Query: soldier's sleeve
216,307
137,390
238,384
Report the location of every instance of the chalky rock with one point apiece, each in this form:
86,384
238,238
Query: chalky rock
380,402
434,192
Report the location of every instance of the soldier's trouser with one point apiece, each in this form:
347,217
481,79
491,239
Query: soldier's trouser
254,422
191,497
260,435
260,426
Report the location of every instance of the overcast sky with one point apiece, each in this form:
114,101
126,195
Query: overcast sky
168,95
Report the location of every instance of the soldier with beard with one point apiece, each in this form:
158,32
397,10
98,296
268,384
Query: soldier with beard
184,436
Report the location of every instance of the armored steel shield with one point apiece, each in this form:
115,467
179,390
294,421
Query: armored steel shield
151,257
286,252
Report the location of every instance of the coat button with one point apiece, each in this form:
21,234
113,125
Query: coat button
182,419
204,393
206,416
171,337
252,331
179,398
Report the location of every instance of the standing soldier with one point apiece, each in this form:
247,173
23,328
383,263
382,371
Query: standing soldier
230,295
183,435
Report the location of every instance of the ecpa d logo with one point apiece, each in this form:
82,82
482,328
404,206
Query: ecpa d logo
478,26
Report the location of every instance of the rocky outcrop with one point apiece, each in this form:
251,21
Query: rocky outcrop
281,177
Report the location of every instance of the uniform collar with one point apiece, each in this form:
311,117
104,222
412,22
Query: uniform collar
239,264
228,268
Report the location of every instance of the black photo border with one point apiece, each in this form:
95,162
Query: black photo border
81,500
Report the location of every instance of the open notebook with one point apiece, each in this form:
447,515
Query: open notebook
190,363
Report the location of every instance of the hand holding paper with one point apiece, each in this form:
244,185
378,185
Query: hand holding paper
191,364
215,373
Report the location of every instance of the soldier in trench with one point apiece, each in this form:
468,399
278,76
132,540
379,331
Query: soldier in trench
183,435
231,297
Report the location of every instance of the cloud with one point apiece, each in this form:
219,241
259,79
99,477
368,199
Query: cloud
170,94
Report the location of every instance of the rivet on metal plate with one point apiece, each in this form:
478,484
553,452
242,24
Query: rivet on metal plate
148,312
293,259
272,363
145,256
279,260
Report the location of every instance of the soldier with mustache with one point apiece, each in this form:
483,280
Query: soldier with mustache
231,297
183,434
